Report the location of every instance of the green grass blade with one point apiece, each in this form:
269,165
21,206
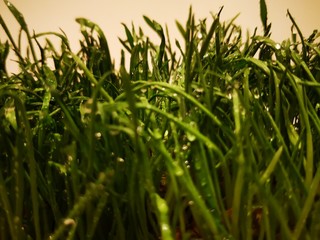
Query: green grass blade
264,14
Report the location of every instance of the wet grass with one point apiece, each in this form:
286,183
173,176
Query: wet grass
218,141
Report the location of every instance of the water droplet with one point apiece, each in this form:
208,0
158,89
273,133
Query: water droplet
69,221
70,158
185,147
278,46
256,93
165,227
190,203
143,90
203,183
98,135
190,136
166,133
200,90
120,160
186,162
139,130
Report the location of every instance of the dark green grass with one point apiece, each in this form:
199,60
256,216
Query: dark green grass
216,142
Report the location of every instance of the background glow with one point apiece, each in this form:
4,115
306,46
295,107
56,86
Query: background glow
49,15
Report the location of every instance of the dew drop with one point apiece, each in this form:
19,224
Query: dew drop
185,147
120,160
98,135
166,133
70,158
69,221
203,183
256,93
165,227
139,130
191,137
200,90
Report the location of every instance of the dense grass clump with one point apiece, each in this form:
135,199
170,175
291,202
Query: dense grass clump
218,141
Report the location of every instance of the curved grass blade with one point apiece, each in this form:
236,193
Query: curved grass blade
264,14
206,42
19,17
159,30
15,47
304,51
103,41
130,39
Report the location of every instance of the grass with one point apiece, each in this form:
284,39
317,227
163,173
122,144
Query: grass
218,141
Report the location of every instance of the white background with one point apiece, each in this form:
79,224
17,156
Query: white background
50,15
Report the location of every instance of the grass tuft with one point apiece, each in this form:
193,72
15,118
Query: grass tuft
217,141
